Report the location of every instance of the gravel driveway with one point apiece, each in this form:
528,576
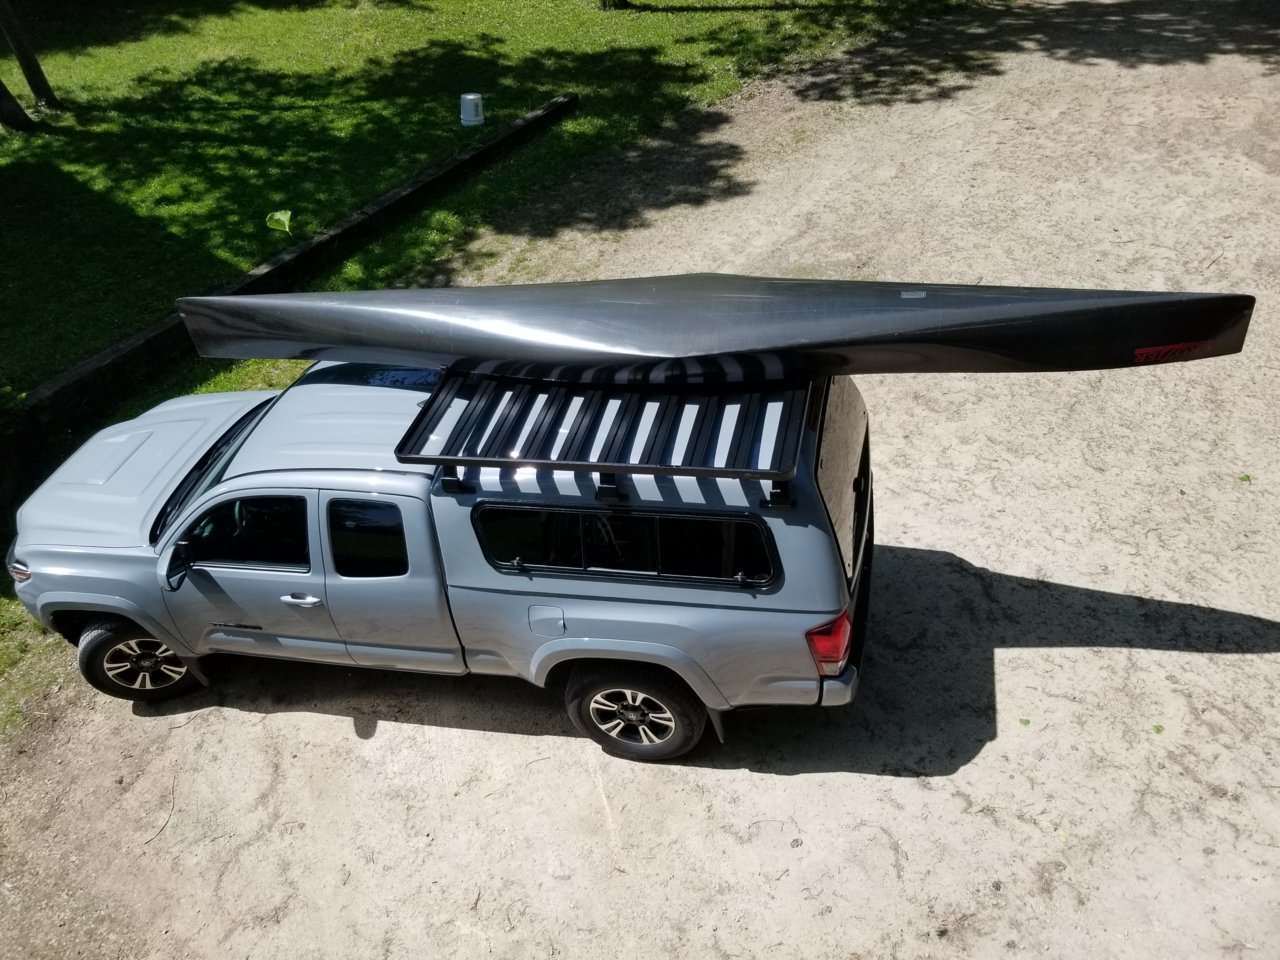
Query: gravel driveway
1067,738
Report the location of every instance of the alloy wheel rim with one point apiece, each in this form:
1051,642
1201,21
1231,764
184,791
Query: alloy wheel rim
632,716
143,664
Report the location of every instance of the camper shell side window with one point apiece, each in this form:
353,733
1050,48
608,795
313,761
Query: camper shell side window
724,550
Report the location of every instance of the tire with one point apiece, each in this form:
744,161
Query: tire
634,711
121,660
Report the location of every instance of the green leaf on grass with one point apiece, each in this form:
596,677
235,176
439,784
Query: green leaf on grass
280,220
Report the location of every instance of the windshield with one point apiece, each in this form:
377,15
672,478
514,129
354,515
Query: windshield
208,469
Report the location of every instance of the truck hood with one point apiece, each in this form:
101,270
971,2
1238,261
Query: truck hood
107,492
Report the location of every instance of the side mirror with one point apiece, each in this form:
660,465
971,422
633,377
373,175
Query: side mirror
179,563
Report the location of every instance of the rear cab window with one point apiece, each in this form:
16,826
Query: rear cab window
366,538
713,550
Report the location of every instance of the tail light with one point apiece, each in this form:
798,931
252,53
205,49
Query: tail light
829,645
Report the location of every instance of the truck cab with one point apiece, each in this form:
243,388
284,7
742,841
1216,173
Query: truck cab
663,553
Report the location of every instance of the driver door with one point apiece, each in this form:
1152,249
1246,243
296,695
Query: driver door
255,584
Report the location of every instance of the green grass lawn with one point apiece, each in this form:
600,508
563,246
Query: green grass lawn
187,121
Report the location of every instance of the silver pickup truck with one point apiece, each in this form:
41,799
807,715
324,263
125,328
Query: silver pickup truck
653,493
283,525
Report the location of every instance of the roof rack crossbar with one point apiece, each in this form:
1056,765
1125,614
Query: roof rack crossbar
541,431
580,432
623,429
739,445
655,447
708,416
794,414
482,429
507,421
466,423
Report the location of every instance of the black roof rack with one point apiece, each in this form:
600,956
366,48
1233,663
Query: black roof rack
731,430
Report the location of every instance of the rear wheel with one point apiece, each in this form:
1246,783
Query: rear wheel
120,659
636,712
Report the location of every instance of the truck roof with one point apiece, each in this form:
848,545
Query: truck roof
338,416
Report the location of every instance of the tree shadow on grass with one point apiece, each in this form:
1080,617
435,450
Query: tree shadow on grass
77,25
205,153
926,707
44,288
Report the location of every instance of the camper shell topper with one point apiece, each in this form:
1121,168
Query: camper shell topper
653,494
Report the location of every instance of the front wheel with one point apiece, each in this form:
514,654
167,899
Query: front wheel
636,712
121,660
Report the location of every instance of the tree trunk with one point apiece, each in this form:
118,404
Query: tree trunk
12,31
11,113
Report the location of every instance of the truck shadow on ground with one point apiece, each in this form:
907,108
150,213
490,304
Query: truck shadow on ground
927,704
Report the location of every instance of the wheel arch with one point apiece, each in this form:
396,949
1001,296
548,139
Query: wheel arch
71,623
70,614
553,661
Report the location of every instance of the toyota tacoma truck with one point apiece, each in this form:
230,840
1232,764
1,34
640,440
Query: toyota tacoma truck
283,525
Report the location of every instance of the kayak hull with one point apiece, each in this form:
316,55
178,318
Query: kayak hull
718,327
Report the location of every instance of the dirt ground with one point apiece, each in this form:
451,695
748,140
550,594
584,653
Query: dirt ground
1067,741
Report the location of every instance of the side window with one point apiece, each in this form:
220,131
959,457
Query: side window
252,531
367,537
533,538
615,541
647,545
713,549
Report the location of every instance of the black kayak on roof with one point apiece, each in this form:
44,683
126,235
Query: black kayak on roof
721,327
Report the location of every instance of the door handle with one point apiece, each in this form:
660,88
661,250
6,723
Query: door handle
301,600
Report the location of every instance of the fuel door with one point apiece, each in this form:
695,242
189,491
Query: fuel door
546,621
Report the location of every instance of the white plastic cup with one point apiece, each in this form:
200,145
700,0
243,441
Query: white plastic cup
472,110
